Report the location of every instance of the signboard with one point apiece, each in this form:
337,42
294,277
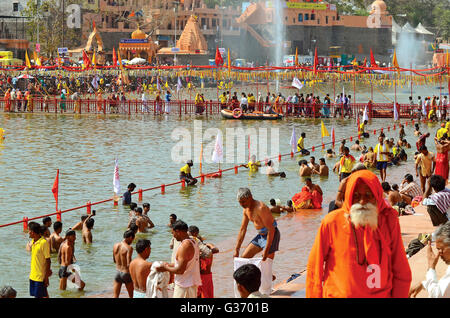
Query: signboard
175,49
63,50
289,60
307,6
134,41
38,47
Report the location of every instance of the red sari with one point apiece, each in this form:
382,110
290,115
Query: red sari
442,165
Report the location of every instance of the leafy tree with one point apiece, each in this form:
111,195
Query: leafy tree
49,18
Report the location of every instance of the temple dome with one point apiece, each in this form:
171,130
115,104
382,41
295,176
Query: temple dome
138,35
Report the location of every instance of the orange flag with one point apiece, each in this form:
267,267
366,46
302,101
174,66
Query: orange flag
55,188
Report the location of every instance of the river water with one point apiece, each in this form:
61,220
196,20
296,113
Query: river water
83,147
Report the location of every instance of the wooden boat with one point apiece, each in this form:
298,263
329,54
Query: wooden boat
238,114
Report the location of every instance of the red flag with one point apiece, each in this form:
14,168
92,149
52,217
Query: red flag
365,62
316,61
219,59
86,60
114,57
373,63
357,123
93,24
55,188
333,138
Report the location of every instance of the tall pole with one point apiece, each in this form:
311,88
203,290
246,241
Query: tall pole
63,31
410,73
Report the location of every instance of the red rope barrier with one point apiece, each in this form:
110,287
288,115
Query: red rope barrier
25,220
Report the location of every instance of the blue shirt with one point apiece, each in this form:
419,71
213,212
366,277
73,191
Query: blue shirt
126,200
168,97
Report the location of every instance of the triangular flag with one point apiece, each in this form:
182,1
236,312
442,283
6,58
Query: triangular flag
158,86
324,130
296,83
86,60
179,85
132,14
316,60
27,60
373,63
217,156
93,59
114,58
395,112
365,115
55,188
218,60
394,60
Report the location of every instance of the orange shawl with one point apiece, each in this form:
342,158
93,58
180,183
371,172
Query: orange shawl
333,269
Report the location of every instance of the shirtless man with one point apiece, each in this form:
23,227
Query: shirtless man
133,207
122,252
312,164
330,154
288,208
270,171
274,207
141,222
146,207
305,170
323,170
393,197
87,228
140,268
66,258
55,238
79,225
356,146
268,237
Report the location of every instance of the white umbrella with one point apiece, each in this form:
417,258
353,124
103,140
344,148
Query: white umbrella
137,60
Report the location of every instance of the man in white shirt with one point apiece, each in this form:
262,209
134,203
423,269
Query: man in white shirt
437,288
244,103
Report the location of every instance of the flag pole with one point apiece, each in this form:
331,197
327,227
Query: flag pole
201,155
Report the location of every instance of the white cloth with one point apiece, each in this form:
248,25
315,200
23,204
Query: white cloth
266,273
435,288
157,280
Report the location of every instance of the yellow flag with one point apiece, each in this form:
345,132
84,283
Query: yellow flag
93,59
394,60
27,60
324,130
166,85
120,60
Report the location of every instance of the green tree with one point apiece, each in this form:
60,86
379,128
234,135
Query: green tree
49,20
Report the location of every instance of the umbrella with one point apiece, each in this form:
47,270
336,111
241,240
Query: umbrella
25,76
137,60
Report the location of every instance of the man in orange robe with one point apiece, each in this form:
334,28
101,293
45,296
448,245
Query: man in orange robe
358,251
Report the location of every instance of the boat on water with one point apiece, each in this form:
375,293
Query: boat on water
238,114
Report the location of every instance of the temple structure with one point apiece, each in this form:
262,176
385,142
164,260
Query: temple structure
140,45
191,47
309,25
94,43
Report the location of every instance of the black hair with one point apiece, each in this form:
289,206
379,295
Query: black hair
329,151
90,223
249,276
128,233
84,217
437,183
386,186
322,159
409,177
138,210
46,219
43,229
70,232
312,157
131,185
303,135
133,205
289,203
395,187
173,216
142,244
269,163
346,149
35,227
423,147
57,225
180,226
193,229
134,227
357,142
146,205
272,202
308,179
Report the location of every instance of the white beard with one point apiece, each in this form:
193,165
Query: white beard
362,215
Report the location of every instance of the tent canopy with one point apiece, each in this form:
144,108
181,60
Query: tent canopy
421,29
408,28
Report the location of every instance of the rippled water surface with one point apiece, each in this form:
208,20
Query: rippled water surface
83,147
